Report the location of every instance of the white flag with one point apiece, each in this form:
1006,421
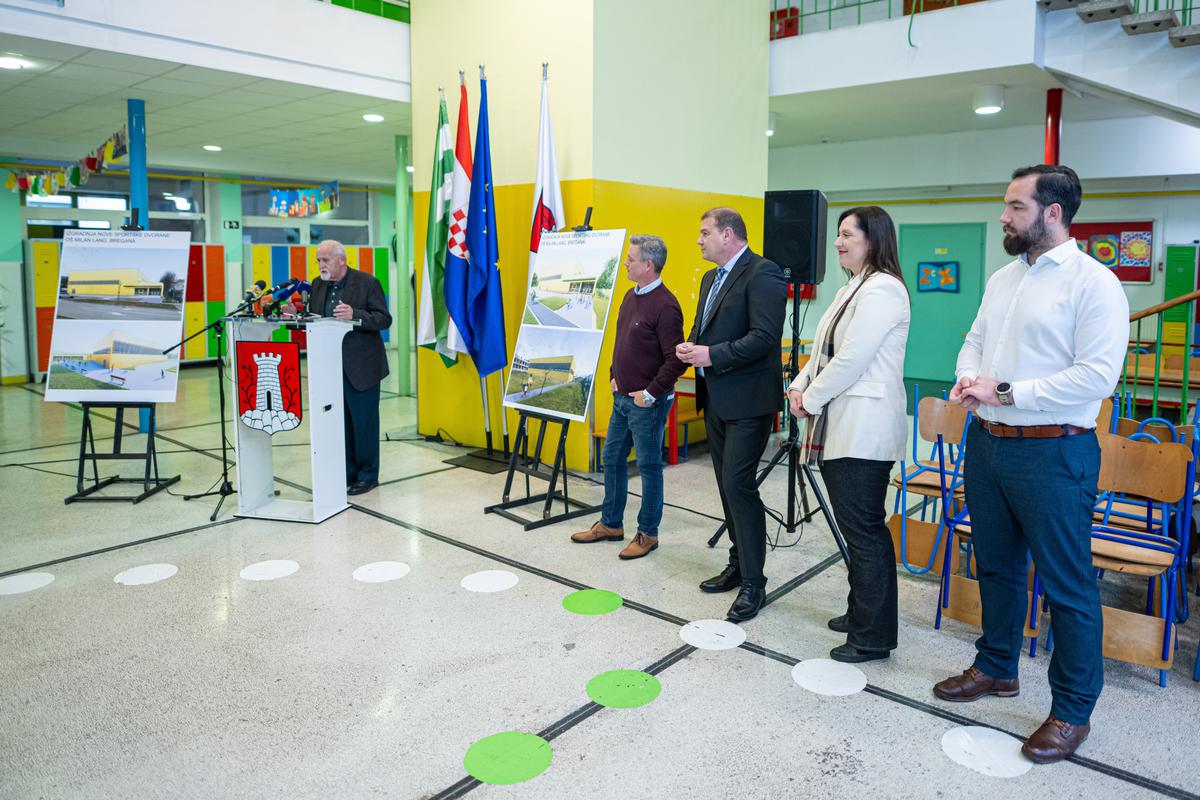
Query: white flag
547,194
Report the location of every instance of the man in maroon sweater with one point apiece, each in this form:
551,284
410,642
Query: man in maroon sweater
643,374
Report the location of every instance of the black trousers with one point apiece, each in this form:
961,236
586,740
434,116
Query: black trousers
736,445
362,432
858,494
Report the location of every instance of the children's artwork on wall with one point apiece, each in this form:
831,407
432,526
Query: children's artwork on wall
1127,248
937,276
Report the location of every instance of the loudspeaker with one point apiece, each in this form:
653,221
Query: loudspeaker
794,225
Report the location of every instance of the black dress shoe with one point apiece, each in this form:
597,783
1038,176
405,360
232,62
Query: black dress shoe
840,624
850,654
730,578
749,600
361,487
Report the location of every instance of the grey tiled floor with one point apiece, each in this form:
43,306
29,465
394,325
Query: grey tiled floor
206,685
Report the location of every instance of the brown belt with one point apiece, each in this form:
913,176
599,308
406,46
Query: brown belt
1031,431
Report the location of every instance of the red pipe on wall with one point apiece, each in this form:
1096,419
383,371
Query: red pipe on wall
1053,124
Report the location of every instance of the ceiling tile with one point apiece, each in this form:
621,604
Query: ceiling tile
39,48
87,73
211,77
285,89
185,88
125,63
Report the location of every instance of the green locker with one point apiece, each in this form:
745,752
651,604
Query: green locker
214,310
382,272
1180,278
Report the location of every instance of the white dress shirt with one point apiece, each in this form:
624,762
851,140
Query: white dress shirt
1057,331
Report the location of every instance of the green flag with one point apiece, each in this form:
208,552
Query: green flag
436,330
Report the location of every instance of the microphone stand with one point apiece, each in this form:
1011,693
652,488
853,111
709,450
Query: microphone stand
218,327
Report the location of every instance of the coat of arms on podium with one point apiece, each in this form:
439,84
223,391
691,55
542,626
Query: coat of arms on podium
268,382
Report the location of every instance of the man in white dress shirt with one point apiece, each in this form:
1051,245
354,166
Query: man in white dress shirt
1046,348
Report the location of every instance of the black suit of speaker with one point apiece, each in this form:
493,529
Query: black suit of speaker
794,233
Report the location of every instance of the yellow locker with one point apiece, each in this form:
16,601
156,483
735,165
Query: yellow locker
260,263
193,321
352,257
45,273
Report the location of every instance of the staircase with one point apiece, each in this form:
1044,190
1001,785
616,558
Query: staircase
1179,19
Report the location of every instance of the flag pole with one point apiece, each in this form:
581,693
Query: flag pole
487,413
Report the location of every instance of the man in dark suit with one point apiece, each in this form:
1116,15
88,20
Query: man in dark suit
734,345
348,294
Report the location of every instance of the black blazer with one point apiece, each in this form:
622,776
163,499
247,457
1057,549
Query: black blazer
743,337
363,361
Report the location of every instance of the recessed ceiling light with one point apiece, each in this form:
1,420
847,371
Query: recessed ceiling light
8,62
989,99
373,117
213,148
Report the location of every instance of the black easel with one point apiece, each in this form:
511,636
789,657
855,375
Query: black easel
151,483
531,466
790,449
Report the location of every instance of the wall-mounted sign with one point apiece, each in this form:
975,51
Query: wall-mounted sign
937,276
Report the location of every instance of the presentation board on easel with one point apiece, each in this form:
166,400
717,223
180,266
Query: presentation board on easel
567,304
119,306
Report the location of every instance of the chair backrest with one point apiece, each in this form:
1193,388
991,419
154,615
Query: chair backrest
1104,418
1164,433
1146,469
938,417
1176,362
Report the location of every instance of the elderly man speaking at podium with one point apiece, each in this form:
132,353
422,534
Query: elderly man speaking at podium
347,294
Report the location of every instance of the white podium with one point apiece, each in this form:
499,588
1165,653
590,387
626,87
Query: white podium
323,391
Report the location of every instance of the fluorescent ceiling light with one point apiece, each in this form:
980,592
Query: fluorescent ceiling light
373,117
989,99
8,62
213,148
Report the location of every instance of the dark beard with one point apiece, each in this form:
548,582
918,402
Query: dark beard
1026,240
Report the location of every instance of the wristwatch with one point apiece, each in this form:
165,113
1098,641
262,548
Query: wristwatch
1004,393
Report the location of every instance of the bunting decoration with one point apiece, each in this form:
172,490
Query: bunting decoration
49,181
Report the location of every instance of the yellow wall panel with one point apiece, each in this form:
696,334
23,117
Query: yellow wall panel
313,269
352,257
449,397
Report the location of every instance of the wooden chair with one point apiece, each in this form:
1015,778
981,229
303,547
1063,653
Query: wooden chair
943,425
1161,474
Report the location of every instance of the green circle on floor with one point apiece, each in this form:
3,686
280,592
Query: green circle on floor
623,688
509,757
592,601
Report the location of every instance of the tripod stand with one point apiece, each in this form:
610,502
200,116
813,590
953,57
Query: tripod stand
225,489
798,473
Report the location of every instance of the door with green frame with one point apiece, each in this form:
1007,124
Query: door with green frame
943,268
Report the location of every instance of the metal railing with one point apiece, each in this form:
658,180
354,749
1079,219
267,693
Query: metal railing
1186,8
1149,364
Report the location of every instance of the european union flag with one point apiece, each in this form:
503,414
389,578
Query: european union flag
485,302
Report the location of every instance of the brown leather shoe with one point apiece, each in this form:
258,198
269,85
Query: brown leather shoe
640,546
973,684
599,533
1054,741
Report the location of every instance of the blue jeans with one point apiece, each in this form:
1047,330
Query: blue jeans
1036,496
631,425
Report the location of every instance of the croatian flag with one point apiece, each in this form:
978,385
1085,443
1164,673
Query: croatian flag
455,283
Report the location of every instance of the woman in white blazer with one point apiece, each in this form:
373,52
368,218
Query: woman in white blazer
852,391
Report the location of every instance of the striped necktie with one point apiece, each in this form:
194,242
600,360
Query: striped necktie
710,301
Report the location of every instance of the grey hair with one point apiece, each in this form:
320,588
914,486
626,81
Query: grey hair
337,247
652,248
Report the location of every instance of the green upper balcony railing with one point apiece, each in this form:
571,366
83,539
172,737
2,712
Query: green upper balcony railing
397,10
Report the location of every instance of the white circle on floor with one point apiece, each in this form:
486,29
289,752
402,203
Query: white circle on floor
381,571
489,580
986,751
828,677
146,573
269,570
25,582
712,634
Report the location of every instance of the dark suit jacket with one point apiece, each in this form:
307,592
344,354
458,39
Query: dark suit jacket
743,337
363,361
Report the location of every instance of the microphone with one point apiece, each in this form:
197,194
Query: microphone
285,289
255,290
283,285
